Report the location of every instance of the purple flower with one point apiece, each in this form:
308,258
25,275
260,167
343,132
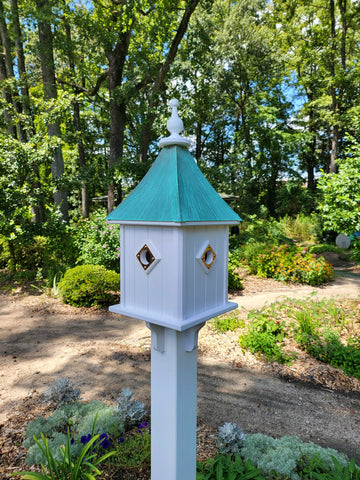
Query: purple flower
111,227
104,441
121,440
85,439
118,249
104,246
118,255
104,232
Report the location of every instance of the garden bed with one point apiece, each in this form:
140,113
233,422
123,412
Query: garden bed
43,339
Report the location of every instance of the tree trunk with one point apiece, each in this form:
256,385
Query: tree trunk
78,130
38,210
5,39
334,102
50,92
116,58
6,95
24,87
159,81
198,150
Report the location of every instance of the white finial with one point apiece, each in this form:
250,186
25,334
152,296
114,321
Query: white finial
175,126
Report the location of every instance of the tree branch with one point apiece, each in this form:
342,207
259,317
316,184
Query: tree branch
79,88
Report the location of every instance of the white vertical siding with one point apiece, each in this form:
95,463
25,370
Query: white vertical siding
178,287
204,290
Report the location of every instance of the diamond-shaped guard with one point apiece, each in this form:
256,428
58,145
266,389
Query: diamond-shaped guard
145,257
208,257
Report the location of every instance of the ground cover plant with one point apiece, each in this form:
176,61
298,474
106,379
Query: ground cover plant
327,330
280,250
238,456
283,458
288,263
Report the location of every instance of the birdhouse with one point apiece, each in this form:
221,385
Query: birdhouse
174,241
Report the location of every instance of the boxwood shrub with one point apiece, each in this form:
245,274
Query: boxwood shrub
90,285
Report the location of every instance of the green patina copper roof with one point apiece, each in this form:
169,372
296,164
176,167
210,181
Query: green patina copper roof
174,190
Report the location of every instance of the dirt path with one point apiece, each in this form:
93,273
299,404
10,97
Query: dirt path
41,339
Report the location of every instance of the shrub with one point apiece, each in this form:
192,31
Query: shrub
81,421
251,253
227,323
293,264
265,335
97,242
61,391
76,418
229,439
260,230
134,450
89,285
302,228
287,455
133,410
234,280
83,466
328,348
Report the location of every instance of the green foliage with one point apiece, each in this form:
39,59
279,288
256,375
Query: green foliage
261,230
325,247
266,335
234,280
74,419
324,329
260,245
82,466
340,472
227,323
287,455
97,241
339,207
295,200
293,264
89,285
228,468
43,250
329,348
302,228
133,451
356,254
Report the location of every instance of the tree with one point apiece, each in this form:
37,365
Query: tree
140,46
46,53
340,206
230,64
319,39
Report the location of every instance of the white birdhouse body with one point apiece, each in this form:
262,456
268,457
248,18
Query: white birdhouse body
178,279
174,242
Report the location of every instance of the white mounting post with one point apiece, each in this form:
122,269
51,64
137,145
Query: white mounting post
173,402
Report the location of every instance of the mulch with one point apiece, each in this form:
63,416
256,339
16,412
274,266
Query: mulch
12,433
12,436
